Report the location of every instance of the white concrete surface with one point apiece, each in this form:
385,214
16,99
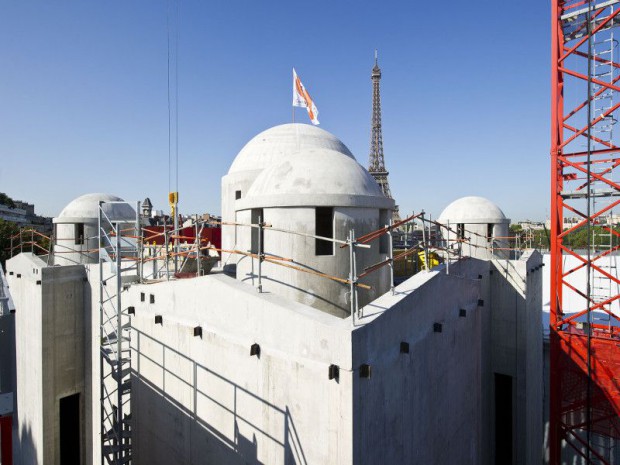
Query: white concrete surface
84,210
317,291
49,328
271,146
278,142
288,194
312,177
515,297
477,215
207,400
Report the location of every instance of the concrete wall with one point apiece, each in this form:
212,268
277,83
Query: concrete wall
29,353
205,399
424,406
309,289
515,300
49,328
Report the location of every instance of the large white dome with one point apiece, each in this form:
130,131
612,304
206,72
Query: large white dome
277,143
316,176
472,210
86,207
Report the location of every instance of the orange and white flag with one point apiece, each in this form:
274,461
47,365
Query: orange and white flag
301,98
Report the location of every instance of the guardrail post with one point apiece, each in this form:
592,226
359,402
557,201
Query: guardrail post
198,244
166,244
424,242
353,275
139,242
448,247
391,254
260,254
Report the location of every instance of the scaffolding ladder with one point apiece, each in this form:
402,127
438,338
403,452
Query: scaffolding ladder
604,51
118,266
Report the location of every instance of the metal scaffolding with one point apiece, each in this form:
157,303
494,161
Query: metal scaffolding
119,253
585,359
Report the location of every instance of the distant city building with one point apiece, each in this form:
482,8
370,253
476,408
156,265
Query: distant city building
23,215
147,208
533,225
571,221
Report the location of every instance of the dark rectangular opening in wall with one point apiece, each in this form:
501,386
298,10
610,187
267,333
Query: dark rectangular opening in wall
460,231
489,232
257,215
384,239
79,233
503,419
237,195
324,226
70,430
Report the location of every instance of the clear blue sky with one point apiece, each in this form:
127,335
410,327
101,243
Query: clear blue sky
83,95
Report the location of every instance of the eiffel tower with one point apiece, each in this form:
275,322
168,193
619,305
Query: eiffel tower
376,162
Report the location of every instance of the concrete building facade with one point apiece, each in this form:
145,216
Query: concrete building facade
446,369
50,350
223,405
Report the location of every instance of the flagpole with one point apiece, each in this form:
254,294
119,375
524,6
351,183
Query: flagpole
293,114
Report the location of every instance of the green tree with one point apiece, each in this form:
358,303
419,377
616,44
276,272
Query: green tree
6,200
7,229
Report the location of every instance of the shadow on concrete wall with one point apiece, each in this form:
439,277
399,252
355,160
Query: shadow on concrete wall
26,452
190,436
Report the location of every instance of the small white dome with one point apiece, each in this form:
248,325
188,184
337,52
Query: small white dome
316,177
86,207
277,143
472,210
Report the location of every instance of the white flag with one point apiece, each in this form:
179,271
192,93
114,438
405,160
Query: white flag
301,98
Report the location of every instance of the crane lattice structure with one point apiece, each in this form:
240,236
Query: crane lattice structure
585,154
376,162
